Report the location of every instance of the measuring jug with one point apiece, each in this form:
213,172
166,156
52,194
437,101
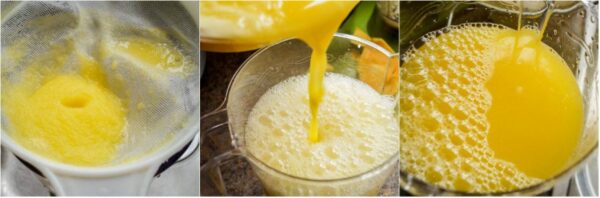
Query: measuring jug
264,69
168,119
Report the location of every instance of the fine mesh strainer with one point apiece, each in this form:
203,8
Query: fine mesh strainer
39,32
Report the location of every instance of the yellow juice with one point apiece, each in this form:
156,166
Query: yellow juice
485,108
244,25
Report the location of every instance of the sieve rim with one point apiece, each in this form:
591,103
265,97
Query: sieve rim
147,161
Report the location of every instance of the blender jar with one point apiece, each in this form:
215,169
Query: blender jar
572,31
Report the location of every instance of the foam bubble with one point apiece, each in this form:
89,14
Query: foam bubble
358,129
443,112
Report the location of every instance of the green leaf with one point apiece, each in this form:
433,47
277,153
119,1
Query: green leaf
359,18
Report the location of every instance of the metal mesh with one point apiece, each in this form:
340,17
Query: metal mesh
31,30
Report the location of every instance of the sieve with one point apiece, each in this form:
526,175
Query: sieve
572,32
154,133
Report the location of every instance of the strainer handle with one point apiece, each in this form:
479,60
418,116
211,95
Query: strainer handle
131,183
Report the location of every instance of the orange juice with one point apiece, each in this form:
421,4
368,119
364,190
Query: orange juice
244,25
485,108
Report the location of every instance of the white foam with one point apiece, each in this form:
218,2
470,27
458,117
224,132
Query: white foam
358,129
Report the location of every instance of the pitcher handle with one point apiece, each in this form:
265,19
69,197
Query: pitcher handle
214,132
211,171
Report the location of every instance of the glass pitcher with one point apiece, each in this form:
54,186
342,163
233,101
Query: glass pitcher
248,25
261,71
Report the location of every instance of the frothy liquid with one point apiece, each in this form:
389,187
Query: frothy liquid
485,108
358,129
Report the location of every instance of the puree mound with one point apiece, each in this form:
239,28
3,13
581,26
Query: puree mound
68,119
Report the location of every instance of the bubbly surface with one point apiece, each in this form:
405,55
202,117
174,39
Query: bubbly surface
480,113
358,129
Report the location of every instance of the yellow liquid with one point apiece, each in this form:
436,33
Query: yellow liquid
158,54
360,132
238,26
480,113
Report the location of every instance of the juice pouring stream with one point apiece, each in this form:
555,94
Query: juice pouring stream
248,25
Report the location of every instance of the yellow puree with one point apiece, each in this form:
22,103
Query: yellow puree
69,119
